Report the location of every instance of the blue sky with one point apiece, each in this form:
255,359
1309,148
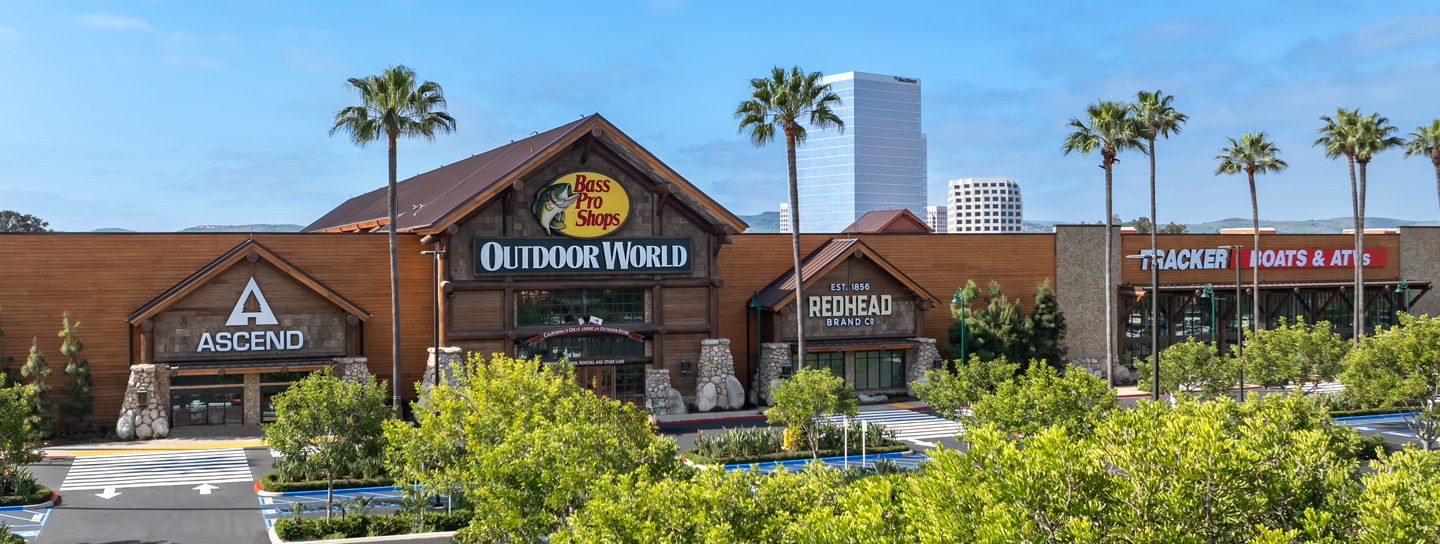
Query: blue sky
155,115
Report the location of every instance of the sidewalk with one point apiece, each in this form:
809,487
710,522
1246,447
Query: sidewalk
760,413
182,438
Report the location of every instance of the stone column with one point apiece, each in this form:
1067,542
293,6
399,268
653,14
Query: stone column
251,399
1080,290
772,357
452,360
922,360
150,419
716,385
351,369
660,398
1420,261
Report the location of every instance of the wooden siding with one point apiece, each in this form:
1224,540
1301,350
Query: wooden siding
939,263
101,278
476,310
685,306
1133,243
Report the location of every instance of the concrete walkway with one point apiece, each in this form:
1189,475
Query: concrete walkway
181,438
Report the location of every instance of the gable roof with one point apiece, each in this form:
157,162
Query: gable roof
223,263
824,259
434,200
888,221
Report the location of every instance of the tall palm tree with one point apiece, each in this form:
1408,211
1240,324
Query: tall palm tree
1425,141
1112,128
393,104
1375,134
1159,119
1338,137
1253,154
785,102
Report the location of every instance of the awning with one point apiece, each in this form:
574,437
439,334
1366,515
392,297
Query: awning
209,367
868,344
1322,285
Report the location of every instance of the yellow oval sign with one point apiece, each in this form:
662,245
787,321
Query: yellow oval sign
582,205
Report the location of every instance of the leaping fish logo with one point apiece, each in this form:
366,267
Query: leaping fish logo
550,205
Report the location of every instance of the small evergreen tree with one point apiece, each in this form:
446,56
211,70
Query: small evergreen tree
42,415
1047,328
79,404
1000,328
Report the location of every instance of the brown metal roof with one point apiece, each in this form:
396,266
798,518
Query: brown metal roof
429,197
891,221
781,291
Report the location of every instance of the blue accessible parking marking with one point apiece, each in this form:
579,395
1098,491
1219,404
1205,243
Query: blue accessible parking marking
910,461
25,521
311,502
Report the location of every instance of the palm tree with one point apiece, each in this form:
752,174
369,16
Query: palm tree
783,102
1426,141
1338,137
1253,154
1159,119
1375,134
1113,128
392,105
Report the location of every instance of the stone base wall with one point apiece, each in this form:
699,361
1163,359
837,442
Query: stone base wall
452,360
772,358
922,360
352,369
1096,367
152,418
252,399
716,386
660,398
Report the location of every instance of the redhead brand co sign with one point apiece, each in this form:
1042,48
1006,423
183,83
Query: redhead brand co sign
518,256
1212,259
583,205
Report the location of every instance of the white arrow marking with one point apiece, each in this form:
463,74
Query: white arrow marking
922,443
108,494
205,489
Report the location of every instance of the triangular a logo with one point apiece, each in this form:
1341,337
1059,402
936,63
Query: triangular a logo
240,318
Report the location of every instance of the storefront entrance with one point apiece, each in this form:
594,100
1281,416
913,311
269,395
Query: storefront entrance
620,382
207,406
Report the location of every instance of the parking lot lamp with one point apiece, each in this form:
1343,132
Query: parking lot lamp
1239,330
1154,322
958,304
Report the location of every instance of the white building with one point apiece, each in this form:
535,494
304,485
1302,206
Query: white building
979,205
784,217
935,217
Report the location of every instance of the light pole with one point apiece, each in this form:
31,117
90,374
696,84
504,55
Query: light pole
434,306
959,303
1405,286
1154,322
1239,330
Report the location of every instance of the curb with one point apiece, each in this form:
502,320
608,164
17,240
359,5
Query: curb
1375,416
272,494
54,500
75,453
275,539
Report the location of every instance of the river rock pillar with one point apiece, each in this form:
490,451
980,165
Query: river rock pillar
145,411
716,386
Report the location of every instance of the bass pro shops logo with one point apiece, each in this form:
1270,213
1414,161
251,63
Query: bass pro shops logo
582,205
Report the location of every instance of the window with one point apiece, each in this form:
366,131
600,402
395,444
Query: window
566,307
582,347
877,369
832,360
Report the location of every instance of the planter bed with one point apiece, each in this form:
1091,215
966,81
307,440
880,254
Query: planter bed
40,496
787,456
1391,410
364,528
271,483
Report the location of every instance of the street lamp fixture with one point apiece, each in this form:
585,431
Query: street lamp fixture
1154,323
1239,331
1405,286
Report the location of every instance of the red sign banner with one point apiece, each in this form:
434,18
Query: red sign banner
1310,258
578,329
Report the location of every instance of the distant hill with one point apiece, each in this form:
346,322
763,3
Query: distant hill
1312,226
112,229
763,222
259,227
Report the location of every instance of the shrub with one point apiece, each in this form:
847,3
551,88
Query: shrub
803,401
1042,398
357,525
947,392
272,482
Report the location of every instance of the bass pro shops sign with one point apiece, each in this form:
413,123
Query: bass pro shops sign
1212,258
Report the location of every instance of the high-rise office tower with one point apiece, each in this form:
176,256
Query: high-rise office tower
935,217
980,205
877,163
784,217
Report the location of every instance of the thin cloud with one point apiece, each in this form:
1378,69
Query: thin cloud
105,20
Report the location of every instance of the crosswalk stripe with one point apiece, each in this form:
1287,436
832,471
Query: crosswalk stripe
907,424
159,468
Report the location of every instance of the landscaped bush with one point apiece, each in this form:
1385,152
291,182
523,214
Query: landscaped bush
272,482
7,537
357,525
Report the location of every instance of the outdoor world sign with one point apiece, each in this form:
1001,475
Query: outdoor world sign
518,256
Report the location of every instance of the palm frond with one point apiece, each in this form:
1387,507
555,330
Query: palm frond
786,102
1253,153
1425,141
392,104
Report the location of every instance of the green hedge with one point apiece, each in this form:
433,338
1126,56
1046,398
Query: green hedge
357,526
787,456
39,496
1370,411
271,482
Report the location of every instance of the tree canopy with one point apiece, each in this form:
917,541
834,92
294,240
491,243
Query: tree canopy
12,221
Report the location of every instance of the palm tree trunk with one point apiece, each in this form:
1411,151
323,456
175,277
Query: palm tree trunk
1436,162
1155,286
800,305
1254,258
1355,272
1109,295
1360,262
394,288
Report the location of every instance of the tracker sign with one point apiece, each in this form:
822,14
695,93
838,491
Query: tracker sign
1212,258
